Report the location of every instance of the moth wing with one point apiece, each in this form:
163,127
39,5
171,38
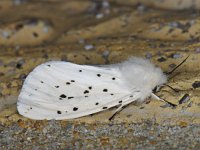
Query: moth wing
63,90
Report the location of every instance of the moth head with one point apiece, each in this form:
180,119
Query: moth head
158,80
157,88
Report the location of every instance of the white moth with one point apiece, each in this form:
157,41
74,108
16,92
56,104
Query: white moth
63,90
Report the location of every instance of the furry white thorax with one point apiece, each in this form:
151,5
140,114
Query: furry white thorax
141,73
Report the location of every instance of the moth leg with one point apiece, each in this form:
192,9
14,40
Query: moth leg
120,108
175,90
156,97
116,111
163,100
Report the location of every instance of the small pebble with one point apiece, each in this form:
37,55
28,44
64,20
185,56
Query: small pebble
32,22
88,47
129,116
196,84
46,29
173,24
148,55
6,34
105,4
165,106
141,8
81,41
192,22
45,56
17,47
23,77
99,15
17,2
161,59
29,138
159,53
105,54
190,104
176,56
168,105
184,99
20,64
198,50
44,130
106,12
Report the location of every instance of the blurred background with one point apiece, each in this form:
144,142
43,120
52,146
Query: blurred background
94,32
105,32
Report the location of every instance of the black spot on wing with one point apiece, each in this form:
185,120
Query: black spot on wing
41,81
98,75
105,90
68,83
75,109
56,86
63,96
96,103
90,87
86,91
80,70
59,112
120,102
70,97
104,107
113,78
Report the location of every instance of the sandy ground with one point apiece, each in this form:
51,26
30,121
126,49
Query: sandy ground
87,32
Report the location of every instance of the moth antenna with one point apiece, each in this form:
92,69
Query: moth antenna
170,72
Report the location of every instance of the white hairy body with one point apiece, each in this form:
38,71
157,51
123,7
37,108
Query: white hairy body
62,90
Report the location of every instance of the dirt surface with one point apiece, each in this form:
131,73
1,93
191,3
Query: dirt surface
103,32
